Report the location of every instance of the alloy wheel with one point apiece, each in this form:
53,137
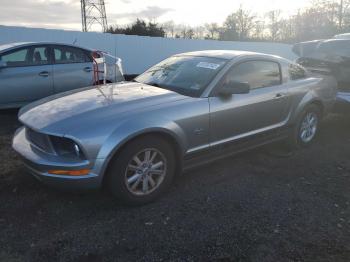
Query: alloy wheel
308,127
145,171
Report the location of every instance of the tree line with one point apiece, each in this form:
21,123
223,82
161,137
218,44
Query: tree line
323,19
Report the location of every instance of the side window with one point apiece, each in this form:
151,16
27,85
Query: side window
40,56
30,56
257,74
296,72
70,55
16,58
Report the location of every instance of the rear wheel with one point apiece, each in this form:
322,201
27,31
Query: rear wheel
307,127
142,171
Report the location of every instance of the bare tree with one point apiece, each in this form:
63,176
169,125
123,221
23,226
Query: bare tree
259,28
323,19
169,28
336,10
229,30
244,22
287,31
343,12
274,18
238,25
199,32
213,30
186,31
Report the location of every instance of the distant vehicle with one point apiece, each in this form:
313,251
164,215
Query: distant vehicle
188,110
342,36
331,57
30,71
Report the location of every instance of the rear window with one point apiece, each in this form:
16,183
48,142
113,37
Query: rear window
70,55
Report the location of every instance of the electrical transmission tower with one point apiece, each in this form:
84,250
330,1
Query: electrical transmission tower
93,12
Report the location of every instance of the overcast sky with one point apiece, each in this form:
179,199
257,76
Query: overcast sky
66,13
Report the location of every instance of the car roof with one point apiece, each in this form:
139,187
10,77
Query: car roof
13,45
342,36
24,44
227,54
335,41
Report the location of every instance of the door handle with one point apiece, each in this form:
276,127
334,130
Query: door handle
44,74
198,131
87,69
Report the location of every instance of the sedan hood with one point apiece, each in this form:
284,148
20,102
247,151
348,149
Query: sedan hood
63,112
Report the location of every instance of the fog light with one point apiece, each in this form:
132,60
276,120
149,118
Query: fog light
80,172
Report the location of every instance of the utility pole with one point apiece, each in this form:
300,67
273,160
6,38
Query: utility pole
93,12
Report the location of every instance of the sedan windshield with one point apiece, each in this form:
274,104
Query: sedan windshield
187,75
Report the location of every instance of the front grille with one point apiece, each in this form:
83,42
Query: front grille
39,140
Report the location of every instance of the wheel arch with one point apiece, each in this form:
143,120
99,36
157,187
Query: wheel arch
307,101
169,136
320,106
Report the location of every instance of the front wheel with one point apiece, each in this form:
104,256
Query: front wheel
142,171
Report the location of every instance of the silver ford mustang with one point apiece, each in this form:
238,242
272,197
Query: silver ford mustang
192,108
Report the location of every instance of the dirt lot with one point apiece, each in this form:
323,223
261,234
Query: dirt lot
258,206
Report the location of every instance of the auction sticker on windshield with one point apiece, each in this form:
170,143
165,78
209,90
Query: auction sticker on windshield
208,65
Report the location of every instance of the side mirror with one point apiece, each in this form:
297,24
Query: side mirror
234,87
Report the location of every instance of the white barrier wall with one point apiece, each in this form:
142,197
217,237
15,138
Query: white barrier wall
137,52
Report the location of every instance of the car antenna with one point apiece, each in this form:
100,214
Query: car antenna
75,40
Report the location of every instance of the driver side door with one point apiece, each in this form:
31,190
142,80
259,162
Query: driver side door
264,108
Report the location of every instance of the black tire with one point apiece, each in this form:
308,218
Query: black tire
118,169
295,140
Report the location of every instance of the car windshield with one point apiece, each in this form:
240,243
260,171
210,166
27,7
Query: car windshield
187,75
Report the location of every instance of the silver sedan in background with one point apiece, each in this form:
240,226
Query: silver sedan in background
190,109
30,71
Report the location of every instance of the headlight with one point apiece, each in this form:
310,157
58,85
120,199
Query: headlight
66,147
76,149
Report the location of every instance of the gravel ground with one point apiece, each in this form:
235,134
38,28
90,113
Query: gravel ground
258,206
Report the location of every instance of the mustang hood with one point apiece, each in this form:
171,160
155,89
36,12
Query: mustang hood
63,112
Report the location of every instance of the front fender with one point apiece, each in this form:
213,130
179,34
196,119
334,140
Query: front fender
134,128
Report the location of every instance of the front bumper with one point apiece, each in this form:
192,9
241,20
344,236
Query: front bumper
342,104
39,163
